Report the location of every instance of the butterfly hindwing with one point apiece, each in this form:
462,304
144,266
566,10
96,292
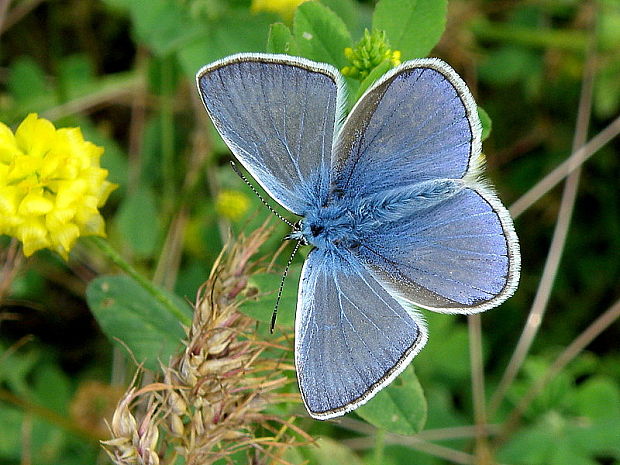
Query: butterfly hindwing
459,255
278,115
351,336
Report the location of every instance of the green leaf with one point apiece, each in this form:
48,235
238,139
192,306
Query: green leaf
598,398
608,26
413,26
44,385
486,122
26,80
557,440
446,355
27,285
375,74
11,425
164,75
238,31
121,5
75,74
509,65
347,10
321,34
281,40
530,35
163,25
45,442
137,221
607,91
134,320
399,408
16,370
532,445
52,388
555,394
327,451
265,287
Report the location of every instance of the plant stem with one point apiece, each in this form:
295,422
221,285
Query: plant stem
560,234
561,171
47,415
379,446
167,134
576,41
477,382
572,350
4,6
146,284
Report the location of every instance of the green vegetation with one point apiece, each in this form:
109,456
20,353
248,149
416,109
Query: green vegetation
533,382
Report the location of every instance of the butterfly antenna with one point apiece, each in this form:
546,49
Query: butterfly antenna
245,180
288,265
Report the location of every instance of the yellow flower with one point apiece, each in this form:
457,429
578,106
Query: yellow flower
232,204
285,8
372,50
51,186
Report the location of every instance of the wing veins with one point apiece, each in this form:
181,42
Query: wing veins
303,121
342,313
470,252
362,143
412,267
411,150
279,137
454,220
323,136
460,236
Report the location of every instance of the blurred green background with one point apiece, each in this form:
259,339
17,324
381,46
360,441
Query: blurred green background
124,72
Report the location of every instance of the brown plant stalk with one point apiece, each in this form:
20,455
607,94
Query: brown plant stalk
213,398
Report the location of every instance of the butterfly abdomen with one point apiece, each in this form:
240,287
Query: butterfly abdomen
397,204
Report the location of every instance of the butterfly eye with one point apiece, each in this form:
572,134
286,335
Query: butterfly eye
316,230
338,193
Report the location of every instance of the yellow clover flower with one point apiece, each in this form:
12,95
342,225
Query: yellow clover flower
51,186
285,8
232,204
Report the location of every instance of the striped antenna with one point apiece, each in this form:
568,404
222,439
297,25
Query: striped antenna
245,180
297,245
288,265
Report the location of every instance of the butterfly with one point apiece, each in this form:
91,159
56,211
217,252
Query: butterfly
391,200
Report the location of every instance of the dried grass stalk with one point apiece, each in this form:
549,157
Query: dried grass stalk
213,397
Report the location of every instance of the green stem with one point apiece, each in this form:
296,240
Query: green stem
379,446
167,133
146,284
48,415
535,38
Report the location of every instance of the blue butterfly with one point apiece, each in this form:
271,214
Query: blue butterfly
391,200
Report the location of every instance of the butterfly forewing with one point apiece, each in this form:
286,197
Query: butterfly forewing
278,115
417,123
351,336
